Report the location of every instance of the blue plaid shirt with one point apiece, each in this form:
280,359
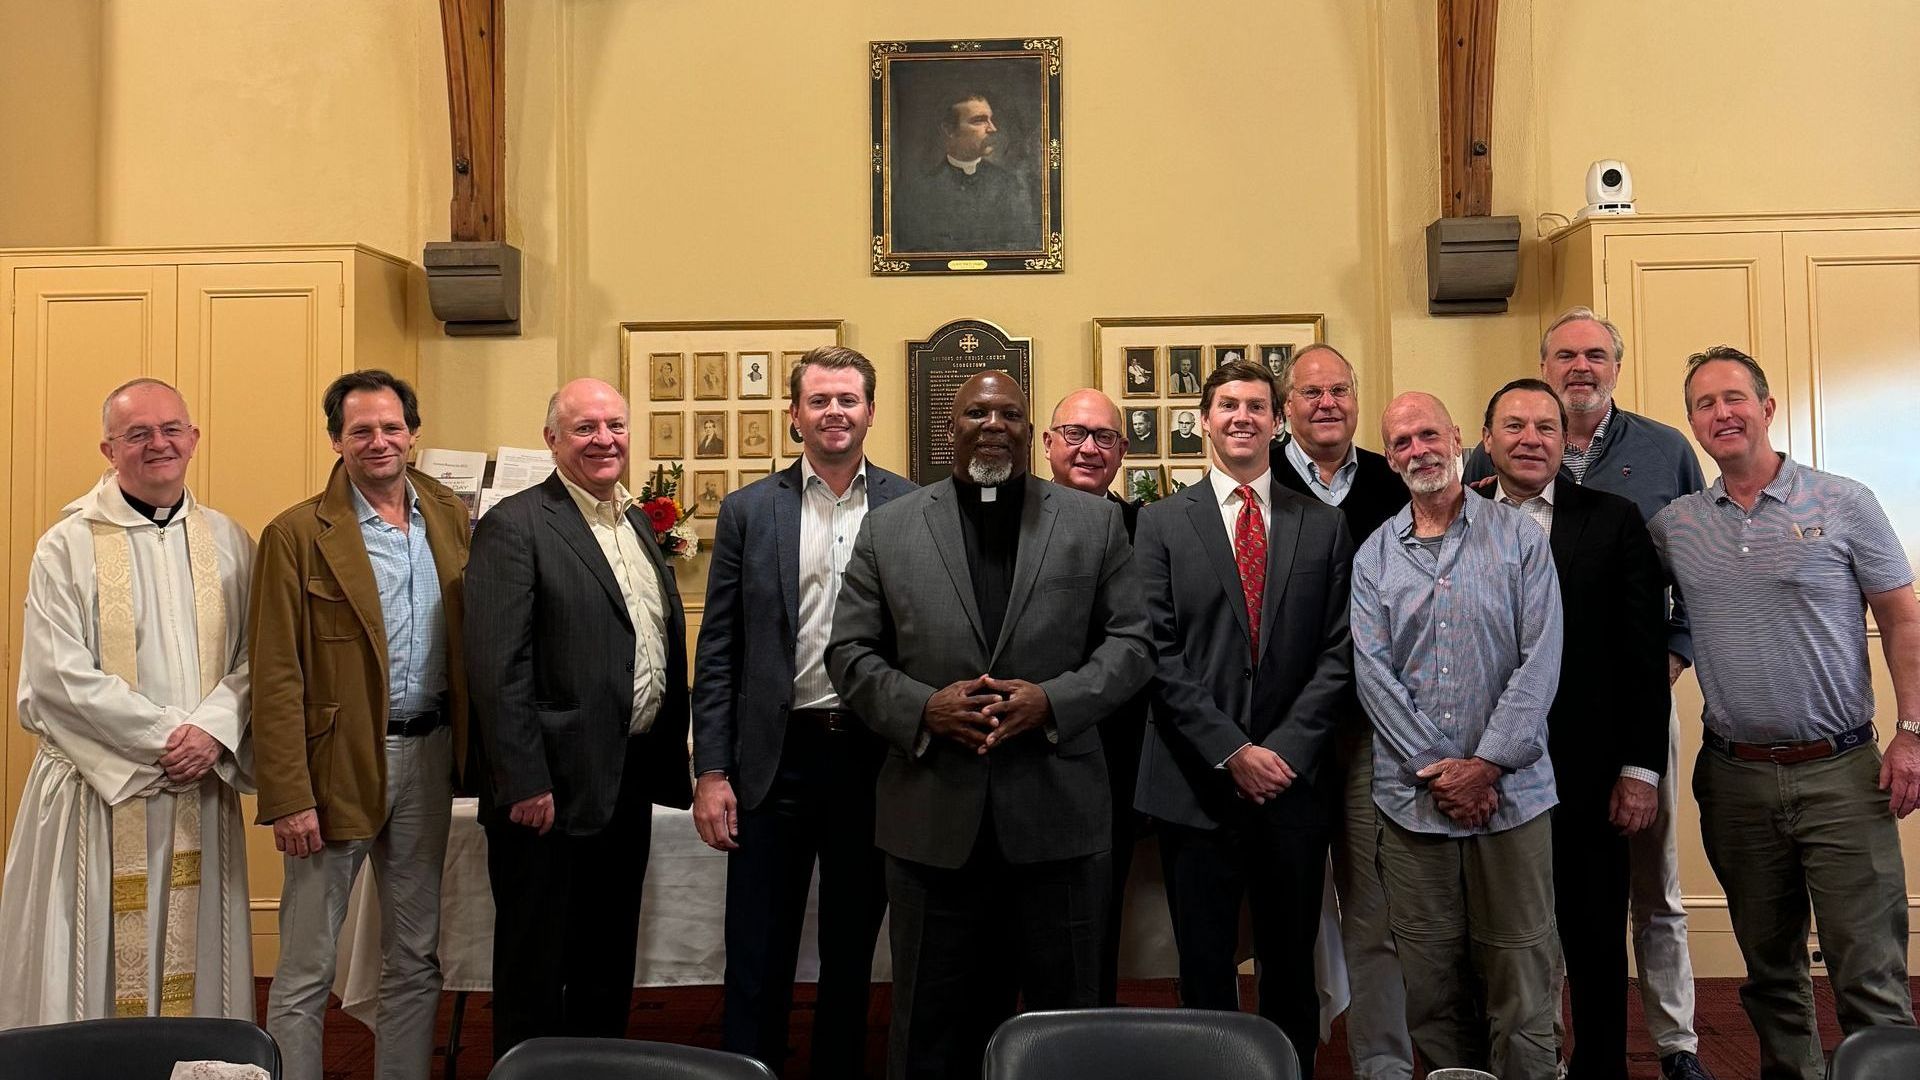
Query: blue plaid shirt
1456,649
410,607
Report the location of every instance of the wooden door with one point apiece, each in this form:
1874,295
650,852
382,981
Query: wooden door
78,332
1673,295
259,342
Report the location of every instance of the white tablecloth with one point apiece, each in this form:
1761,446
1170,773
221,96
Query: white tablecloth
682,914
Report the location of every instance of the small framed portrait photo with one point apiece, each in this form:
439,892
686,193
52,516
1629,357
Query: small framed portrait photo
1227,354
1141,377
710,376
756,374
666,376
1184,437
709,434
1184,374
756,434
1184,476
1142,481
1274,358
790,442
666,436
1143,430
748,476
789,361
708,489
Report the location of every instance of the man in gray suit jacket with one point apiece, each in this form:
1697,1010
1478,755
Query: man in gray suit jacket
577,670
986,625
785,770
1247,588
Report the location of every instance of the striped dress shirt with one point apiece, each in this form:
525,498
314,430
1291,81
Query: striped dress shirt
1456,651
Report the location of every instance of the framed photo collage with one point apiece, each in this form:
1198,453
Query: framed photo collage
1154,369
713,398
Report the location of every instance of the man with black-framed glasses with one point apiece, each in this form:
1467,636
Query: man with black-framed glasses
1085,446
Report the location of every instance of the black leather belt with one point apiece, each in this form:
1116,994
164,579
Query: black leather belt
831,721
415,726
1791,753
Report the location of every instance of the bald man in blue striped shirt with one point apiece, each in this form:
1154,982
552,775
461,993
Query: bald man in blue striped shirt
1456,648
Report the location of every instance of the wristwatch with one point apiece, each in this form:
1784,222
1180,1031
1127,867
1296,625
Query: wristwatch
1911,727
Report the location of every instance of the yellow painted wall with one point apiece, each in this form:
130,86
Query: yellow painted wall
49,121
685,160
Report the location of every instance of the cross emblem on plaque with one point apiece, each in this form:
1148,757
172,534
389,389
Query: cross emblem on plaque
968,343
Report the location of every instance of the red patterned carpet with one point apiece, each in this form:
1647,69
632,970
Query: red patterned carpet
692,1015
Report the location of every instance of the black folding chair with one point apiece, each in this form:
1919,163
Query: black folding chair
1877,1053
622,1059
1140,1044
131,1048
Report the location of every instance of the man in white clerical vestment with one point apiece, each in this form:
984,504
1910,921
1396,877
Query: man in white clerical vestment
126,881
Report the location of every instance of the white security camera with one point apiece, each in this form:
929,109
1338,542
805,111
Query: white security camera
1609,189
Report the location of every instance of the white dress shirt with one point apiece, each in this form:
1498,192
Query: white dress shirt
639,588
1226,492
828,524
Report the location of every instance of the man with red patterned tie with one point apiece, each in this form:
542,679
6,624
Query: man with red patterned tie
1246,584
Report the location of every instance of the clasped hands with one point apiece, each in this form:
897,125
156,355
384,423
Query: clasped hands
1463,789
982,712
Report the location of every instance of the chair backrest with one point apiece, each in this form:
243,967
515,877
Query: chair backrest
622,1059
131,1048
1877,1053
1140,1044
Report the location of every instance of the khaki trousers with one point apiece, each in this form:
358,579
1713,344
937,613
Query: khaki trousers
1473,920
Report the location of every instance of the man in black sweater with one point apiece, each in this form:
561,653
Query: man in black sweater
1319,395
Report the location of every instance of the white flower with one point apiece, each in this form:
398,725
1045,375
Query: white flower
689,540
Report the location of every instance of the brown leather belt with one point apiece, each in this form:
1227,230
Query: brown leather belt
1791,753
831,721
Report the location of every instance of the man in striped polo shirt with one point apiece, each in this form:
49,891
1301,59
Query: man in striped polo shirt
1776,561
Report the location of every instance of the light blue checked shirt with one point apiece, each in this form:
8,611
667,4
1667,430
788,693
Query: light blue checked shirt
1456,650
410,607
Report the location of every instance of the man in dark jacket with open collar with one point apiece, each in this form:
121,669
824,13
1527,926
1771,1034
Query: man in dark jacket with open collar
785,771
576,658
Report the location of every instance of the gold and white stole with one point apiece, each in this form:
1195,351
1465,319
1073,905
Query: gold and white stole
132,960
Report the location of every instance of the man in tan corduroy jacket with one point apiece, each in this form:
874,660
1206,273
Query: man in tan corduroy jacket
360,718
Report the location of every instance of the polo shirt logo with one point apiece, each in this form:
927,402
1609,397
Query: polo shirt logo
1626,470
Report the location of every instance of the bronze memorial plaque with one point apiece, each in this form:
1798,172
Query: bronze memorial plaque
935,369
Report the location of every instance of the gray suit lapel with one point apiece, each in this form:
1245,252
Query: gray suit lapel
943,521
1283,542
643,530
786,537
1036,528
1204,514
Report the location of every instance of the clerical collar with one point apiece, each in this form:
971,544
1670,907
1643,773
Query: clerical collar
1007,494
159,515
964,166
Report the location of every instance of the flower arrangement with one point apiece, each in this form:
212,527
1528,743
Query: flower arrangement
658,500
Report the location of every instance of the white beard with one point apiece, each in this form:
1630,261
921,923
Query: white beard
989,475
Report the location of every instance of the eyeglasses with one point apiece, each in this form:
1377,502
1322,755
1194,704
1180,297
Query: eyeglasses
141,436
1075,434
1312,394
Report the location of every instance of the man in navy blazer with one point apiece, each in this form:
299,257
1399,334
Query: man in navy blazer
786,772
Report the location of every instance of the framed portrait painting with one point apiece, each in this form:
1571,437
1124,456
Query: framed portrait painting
966,156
